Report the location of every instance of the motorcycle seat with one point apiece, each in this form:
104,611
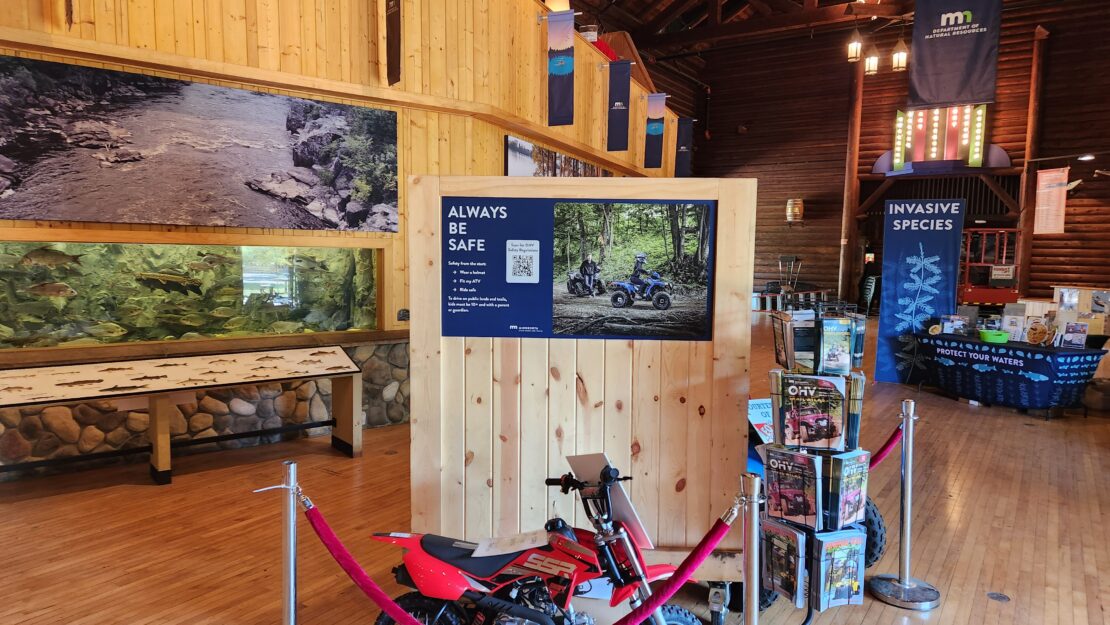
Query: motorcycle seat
459,553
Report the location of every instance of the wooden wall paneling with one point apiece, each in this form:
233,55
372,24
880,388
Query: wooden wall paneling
589,389
561,434
699,436
425,367
674,386
140,16
508,414
290,32
736,213
436,45
333,27
618,404
478,461
104,19
347,35
453,437
646,446
533,433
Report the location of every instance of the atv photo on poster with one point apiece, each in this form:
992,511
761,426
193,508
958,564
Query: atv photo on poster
633,269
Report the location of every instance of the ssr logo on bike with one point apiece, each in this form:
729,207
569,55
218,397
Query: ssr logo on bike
551,566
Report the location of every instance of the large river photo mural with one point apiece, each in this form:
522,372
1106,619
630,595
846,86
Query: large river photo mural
84,144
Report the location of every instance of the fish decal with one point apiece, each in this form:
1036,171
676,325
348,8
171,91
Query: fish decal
52,289
212,372
170,364
121,388
14,389
168,282
322,352
149,377
948,362
337,368
50,258
115,369
310,361
79,383
198,381
264,358
219,360
262,368
1036,377
984,368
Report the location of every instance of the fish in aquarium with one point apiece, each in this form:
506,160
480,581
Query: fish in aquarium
49,258
93,293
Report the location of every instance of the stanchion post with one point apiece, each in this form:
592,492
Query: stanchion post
903,590
751,497
289,545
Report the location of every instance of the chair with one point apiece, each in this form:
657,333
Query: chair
869,284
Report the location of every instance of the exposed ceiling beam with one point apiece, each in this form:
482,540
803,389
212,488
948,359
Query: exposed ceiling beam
757,26
761,7
666,16
785,6
714,9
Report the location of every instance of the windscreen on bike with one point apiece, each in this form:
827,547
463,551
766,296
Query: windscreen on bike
587,467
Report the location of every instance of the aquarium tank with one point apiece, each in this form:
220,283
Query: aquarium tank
94,293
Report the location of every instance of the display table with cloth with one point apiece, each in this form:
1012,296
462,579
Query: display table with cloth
1018,375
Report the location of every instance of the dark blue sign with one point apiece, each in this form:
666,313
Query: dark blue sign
653,131
921,263
620,81
560,68
684,148
955,52
504,276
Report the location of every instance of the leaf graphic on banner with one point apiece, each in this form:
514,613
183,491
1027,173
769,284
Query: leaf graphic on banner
915,307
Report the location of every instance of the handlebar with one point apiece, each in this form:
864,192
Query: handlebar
609,475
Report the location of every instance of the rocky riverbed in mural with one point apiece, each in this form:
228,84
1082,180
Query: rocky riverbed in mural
40,433
85,144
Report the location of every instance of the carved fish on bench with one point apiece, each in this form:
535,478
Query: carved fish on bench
148,377
79,383
121,388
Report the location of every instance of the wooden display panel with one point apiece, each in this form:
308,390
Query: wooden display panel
492,417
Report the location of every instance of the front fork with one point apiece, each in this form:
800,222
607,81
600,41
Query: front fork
619,535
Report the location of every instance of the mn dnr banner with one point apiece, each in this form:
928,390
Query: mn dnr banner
921,264
653,141
620,80
955,52
684,148
560,68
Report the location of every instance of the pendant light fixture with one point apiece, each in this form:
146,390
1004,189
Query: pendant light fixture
855,46
871,61
901,56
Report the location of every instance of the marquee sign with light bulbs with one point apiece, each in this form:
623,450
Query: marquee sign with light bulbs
954,133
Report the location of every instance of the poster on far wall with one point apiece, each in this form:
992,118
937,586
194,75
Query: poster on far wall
524,158
556,268
93,145
921,264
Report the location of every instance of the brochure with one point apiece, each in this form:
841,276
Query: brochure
1075,335
836,346
811,411
793,479
784,571
847,495
838,568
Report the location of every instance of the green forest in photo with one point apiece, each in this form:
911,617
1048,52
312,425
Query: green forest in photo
675,237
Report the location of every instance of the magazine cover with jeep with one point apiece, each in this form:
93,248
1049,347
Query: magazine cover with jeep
633,269
792,486
811,411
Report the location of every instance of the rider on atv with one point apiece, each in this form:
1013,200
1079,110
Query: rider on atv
638,270
589,271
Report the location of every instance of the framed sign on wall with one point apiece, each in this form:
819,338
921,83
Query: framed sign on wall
515,365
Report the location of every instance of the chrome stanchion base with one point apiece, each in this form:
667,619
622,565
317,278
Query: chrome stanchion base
917,595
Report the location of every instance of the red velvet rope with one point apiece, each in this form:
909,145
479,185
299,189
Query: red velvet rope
357,575
887,447
685,570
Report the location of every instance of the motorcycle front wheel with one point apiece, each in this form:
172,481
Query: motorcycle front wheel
675,615
426,610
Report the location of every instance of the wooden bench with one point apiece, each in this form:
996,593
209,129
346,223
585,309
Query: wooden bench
160,383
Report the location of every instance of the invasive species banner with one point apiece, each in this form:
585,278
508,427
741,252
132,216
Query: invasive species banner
620,81
653,140
684,148
955,52
560,68
393,41
921,263
577,269
87,144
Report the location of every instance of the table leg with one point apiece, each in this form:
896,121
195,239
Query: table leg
346,408
159,433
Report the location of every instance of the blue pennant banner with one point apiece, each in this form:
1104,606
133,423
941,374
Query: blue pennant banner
684,148
560,68
921,264
620,81
955,52
653,142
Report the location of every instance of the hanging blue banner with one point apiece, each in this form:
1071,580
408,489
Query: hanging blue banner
560,68
620,81
955,52
653,142
921,264
684,148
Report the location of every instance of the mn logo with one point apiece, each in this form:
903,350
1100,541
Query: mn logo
956,18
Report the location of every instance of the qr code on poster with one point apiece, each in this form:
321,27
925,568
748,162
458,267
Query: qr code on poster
522,261
524,266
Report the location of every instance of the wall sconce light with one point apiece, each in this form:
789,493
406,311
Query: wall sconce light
855,46
901,56
795,210
871,61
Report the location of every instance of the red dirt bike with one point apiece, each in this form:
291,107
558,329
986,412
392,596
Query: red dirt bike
452,587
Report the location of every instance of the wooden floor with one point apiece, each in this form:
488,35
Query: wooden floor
1006,503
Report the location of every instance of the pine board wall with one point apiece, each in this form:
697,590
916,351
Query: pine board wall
473,70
